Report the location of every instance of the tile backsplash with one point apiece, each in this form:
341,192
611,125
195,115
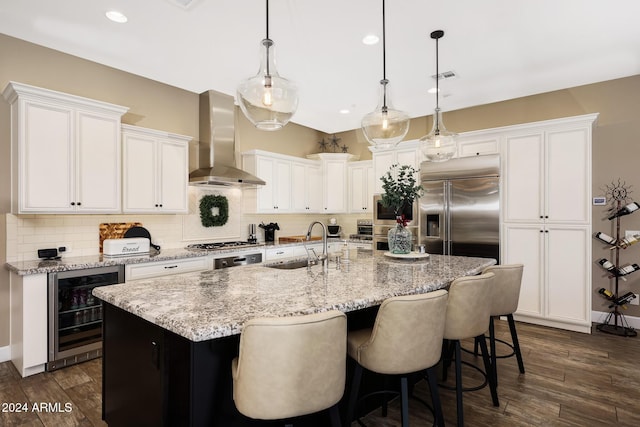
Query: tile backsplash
80,234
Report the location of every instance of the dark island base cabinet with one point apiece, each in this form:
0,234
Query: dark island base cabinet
153,377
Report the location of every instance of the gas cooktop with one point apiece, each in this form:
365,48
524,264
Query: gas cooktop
211,246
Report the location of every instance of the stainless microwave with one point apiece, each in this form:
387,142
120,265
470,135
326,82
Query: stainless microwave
386,216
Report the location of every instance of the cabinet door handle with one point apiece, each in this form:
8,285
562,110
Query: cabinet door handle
170,266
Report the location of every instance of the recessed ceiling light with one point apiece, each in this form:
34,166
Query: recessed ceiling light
432,90
370,39
344,111
116,16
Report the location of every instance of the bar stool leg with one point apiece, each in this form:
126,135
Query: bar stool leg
335,416
435,396
516,343
492,343
404,401
488,369
353,397
458,363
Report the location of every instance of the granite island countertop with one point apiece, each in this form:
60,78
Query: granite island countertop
213,304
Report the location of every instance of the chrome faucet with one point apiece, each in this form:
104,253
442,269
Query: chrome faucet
325,255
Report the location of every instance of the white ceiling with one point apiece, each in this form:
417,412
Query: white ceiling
500,49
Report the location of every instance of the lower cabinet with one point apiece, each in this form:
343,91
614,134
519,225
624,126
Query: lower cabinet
28,331
148,270
556,282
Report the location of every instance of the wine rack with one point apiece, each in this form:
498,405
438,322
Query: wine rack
615,322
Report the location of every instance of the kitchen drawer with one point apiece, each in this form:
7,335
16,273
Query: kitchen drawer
355,246
163,268
277,253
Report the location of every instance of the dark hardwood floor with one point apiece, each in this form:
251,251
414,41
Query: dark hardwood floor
571,379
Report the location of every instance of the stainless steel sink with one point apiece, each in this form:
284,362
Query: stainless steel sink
288,265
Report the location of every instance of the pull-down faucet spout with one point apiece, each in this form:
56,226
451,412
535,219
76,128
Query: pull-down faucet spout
325,256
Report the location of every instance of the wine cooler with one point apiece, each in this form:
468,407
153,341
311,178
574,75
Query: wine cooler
75,315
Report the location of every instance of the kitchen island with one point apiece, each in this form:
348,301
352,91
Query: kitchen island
168,342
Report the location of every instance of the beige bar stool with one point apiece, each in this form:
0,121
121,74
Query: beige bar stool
406,337
468,313
291,366
506,293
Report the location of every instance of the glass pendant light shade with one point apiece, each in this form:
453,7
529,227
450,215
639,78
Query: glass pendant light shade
266,99
385,127
439,145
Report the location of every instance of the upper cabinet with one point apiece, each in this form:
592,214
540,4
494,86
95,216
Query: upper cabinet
275,171
548,173
296,185
155,171
334,181
306,182
360,186
405,153
67,152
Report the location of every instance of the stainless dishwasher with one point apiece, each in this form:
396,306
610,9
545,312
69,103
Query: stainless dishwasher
75,315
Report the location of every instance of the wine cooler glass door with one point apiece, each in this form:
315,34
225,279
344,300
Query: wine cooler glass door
75,315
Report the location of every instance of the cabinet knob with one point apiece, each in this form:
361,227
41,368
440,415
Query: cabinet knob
156,205
79,203
73,203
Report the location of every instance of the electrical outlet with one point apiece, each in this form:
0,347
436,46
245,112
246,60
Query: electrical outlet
64,249
635,301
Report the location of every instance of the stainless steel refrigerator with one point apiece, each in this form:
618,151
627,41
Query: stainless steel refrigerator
460,208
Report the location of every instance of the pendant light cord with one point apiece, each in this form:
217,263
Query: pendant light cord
384,60
267,46
267,14
437,77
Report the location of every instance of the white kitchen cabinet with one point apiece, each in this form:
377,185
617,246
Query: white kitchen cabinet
275,171
360,187
148,270
67,152
406,153
155,171
306,187
548,175
279,252
546,211
478,145
28,312
556,281
360,245
334,181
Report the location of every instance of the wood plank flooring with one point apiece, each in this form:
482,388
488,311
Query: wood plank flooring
571,379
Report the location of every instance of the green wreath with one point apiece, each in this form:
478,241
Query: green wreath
207,205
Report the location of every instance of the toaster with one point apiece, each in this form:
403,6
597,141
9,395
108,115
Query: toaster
125,247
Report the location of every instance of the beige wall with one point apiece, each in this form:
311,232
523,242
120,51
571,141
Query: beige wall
155,105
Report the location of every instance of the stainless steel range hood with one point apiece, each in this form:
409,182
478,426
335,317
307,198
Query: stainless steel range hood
216,149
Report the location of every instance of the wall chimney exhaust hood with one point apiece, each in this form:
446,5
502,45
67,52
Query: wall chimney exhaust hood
216,149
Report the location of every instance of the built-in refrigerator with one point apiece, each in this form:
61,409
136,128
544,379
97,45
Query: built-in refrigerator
460,207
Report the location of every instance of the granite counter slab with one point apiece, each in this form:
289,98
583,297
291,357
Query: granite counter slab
24,268
214,304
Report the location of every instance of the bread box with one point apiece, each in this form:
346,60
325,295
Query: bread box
125,247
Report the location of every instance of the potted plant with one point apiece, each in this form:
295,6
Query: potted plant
400,189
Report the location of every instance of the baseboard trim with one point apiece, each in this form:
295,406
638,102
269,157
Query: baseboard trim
600,316
5,353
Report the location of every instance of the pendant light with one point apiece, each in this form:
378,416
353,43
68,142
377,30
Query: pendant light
439,145
385,127
266,99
